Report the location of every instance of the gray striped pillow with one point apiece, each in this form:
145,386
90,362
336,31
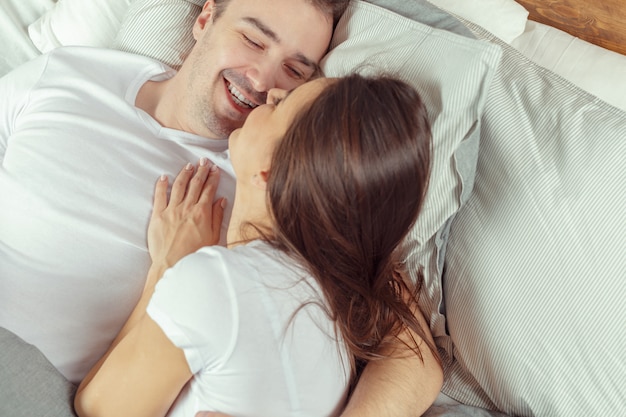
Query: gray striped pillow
453,74
160,29
535,277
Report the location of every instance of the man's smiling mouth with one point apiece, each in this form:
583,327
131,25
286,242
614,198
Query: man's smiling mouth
239,98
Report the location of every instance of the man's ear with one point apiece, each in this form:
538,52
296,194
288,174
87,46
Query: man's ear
260,180
204,18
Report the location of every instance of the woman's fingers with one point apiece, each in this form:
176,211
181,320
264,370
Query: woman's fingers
190,183
214,209
180,184
218,215
160,195
192,218
207,194
198,182
192,192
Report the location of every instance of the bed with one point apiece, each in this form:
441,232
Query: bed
522,238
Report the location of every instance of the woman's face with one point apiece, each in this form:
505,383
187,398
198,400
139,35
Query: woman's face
252,145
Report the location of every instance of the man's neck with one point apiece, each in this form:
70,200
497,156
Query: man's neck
163,101
149,99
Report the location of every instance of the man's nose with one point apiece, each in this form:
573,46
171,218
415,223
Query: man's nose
263,75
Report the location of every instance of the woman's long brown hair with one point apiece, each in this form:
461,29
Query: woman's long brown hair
346,184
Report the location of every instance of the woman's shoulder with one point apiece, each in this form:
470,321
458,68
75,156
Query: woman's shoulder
260,266
256,273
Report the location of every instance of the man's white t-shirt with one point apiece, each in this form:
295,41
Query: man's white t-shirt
255,334
78,167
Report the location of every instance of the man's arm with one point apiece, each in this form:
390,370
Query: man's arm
400,386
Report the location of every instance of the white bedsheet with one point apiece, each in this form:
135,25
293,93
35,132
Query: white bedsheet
15,45
596,70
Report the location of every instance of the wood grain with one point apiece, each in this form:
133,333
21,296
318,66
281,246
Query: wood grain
601,22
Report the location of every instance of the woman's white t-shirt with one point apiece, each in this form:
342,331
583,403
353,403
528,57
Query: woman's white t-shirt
254,332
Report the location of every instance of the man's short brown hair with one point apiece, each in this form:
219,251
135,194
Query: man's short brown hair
334,8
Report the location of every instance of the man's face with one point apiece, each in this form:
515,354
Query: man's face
252,146
253,46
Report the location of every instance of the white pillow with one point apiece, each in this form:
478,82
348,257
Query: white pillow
534,283
78,22
452,74
504,18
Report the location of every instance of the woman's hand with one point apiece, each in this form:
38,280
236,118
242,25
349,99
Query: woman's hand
190,220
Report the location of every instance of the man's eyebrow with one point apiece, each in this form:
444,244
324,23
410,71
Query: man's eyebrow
306,61
263,28
274,37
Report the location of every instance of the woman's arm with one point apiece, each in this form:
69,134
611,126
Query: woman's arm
141,376
143,371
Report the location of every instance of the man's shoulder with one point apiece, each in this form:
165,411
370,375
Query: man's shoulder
91,53
101,62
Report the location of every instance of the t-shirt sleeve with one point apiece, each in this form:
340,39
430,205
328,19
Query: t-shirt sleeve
15,88
195,306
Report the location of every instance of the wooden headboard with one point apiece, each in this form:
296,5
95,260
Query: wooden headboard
601,22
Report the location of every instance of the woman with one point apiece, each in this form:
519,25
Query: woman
330,178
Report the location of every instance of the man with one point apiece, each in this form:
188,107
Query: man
84,135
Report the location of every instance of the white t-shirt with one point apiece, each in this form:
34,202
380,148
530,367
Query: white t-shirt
78,167
254,344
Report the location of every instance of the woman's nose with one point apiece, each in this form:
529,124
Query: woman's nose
275,95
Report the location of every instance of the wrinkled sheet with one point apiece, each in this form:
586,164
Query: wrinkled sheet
15,45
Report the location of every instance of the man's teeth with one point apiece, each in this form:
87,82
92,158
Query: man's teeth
239,98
